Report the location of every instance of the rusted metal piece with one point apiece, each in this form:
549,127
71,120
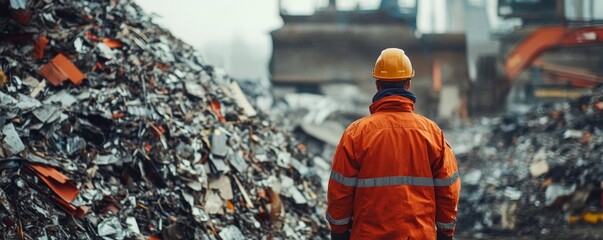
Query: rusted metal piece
61,69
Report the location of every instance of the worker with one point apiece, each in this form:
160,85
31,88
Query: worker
394,175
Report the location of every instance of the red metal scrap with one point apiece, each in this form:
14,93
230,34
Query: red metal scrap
92,37
158,130
163,67
64,189
62,186
118,115
61,69
70,209
22,16
112,43
40,47
98,66
216,107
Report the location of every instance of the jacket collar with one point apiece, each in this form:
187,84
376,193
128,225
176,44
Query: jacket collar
392,104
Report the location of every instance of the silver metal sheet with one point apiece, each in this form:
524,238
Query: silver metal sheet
11,142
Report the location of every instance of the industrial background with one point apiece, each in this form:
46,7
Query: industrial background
190,119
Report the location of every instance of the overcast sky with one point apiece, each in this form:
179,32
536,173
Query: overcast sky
234,34
214,26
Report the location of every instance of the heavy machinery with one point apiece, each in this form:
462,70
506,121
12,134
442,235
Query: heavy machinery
333,45
340,46
557,53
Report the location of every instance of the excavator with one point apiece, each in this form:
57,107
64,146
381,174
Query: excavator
556,54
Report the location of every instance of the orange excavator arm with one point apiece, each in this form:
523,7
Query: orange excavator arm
546,38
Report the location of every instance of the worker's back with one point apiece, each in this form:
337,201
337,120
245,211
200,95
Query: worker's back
395,149
394,176
401,144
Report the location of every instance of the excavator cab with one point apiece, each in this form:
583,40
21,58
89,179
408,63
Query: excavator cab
554,55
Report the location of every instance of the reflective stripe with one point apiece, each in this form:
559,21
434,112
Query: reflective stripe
442,182
339,221
390,181
394,180
350,182
446,226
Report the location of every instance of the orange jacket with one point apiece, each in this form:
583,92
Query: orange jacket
394,176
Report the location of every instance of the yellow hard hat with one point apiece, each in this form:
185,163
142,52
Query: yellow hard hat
393,65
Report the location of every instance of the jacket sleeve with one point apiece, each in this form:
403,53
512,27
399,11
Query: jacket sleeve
447,188
342,184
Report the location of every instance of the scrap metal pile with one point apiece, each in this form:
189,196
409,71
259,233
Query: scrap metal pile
535,173
112,128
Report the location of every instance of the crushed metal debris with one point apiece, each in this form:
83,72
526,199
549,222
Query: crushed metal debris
145,141
534,173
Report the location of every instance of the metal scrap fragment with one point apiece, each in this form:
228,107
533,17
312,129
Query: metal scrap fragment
12,142
111,228
27,103
231,233
18,4
214,204
45,113
62,97
224,186
218,142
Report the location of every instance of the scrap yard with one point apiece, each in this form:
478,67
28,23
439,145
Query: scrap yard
114,127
